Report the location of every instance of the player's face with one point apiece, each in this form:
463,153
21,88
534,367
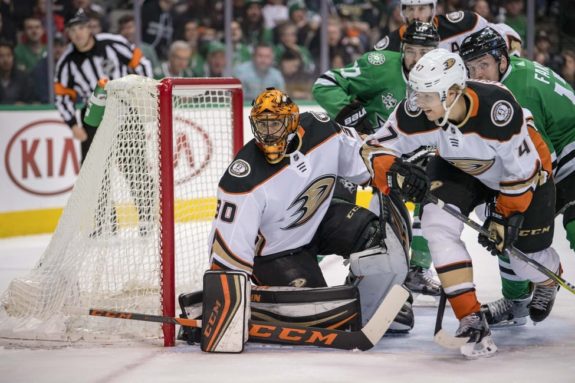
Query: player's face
80,35
412,54
269,130
483,68
429,103
418,12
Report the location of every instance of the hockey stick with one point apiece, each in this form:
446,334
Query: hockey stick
441,337
382,217
564,208
145,317
363,339
509,251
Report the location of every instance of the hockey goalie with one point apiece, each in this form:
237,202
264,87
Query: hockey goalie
275,215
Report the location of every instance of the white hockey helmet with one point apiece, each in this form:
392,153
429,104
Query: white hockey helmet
433,4
438,71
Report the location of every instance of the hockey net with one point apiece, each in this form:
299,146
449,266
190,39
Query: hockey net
134,232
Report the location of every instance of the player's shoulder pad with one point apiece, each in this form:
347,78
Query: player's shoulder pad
411,120
317,128
248,170
455,23
391,42
498,114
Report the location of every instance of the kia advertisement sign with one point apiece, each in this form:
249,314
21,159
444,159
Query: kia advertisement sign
41,160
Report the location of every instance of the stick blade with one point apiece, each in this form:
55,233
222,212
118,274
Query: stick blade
385,314
446,340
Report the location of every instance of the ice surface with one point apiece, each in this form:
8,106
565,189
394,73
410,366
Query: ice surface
542,353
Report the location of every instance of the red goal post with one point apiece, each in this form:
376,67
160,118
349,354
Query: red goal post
166,95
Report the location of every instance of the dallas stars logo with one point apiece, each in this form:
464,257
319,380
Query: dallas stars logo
388,100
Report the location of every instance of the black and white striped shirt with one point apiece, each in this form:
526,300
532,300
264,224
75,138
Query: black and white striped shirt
77,73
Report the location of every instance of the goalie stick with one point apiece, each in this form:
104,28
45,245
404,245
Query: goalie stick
509,251
363,339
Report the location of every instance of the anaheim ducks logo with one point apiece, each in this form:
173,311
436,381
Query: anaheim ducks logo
309,201
472,166
448,63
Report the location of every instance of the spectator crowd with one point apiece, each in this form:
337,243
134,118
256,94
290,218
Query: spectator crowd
275,42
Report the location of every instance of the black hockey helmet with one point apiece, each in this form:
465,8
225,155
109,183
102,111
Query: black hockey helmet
420,33
482,42
79,17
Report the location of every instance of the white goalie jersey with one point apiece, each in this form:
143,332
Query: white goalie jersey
266,209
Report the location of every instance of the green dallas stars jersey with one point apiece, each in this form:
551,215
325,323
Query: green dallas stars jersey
549,98
376,79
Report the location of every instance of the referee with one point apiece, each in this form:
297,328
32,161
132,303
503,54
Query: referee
88,58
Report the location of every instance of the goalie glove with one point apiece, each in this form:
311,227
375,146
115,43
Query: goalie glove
503,232
410,179
355,116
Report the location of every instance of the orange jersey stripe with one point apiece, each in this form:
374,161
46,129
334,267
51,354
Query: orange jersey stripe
542,149
474,101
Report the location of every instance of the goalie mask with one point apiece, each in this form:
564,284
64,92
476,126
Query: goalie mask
432,77
273,118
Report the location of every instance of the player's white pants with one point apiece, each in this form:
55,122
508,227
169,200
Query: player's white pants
548,258
443,234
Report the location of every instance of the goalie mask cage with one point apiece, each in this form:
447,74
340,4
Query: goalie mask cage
135,230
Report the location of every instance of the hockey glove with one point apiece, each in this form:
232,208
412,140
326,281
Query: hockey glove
503,232
410,179
355,116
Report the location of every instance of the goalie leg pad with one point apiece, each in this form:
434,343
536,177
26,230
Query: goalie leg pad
225,311
335,307
377,270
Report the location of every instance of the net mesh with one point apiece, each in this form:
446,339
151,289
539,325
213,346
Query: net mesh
106,250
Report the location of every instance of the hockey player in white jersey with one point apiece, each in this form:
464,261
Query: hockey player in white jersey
487,152
452,27
275,215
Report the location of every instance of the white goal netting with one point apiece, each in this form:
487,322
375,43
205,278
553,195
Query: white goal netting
106,251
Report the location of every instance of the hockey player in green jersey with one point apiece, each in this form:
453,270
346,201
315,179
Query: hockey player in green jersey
551,101
363,95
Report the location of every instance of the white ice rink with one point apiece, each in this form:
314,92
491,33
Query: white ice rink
544,353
